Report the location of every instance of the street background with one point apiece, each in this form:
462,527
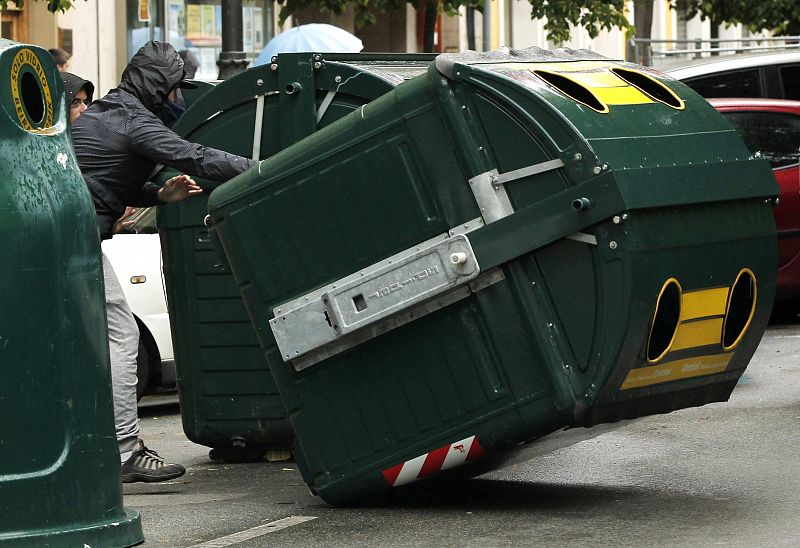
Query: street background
720,475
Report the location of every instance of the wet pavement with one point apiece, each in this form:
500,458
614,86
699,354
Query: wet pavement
724,474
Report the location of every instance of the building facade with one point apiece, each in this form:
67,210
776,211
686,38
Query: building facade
102,35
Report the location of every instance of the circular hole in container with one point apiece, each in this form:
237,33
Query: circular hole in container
740,309
32,97
665,321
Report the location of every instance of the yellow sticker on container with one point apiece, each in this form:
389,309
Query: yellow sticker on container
696,333
703,303
622,95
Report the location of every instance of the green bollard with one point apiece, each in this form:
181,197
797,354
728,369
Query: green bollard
60,481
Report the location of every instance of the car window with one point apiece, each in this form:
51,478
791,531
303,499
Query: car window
741,83
790,80
776,135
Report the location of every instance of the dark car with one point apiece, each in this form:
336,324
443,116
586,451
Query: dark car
771,127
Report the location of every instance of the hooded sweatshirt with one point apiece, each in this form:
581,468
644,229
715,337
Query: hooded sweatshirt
120,139
73,84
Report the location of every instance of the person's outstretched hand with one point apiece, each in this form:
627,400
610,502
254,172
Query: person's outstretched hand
124,222
178,188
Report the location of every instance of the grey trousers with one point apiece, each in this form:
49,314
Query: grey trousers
123,346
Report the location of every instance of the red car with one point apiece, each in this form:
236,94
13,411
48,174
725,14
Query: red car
772,128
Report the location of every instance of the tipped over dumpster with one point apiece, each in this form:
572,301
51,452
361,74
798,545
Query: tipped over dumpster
507,246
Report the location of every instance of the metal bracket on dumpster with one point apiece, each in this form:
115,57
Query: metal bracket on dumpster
312,327
259,123
326,102
491,195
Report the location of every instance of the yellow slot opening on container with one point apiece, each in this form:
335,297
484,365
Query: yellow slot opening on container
665,322
740,309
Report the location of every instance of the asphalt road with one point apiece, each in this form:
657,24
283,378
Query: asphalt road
719,475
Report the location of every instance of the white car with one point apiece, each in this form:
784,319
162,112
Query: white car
774,75
135,255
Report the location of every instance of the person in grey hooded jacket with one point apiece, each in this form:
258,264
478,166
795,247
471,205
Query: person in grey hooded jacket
119,140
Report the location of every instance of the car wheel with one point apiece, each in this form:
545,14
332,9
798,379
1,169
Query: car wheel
784,312
142,370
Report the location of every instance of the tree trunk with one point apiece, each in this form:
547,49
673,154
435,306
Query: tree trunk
471,28
431,13
643,21
714,35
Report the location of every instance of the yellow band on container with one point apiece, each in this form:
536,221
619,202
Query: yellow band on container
676,370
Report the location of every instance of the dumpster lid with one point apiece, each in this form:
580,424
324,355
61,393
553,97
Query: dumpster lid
446,62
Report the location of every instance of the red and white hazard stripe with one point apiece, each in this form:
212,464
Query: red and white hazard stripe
449,456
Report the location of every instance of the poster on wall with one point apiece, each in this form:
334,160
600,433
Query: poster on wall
203,25
144,11
176,23
253,31
193,27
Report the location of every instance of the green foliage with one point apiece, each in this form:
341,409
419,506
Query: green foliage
592,15
365,10
52,5
780,16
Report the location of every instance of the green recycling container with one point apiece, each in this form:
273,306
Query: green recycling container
512,244
60,482
228,399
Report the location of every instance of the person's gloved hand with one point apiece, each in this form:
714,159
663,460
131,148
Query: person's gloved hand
178,188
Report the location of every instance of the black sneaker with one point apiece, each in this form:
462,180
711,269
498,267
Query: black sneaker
145,465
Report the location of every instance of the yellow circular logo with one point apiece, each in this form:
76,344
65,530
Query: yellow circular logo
27,63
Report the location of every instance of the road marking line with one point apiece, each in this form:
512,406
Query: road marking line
254,532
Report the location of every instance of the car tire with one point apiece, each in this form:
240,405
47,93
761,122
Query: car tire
783,312
142,370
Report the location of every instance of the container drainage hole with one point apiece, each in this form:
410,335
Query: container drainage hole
32,97
740,310
572,89
665,321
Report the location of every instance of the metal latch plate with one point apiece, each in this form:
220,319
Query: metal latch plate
373,294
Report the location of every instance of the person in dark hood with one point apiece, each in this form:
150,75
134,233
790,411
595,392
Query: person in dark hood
79,94
175,106
119,143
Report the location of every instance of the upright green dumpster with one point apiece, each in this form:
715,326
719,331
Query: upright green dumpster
228,399
508,245
60,481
